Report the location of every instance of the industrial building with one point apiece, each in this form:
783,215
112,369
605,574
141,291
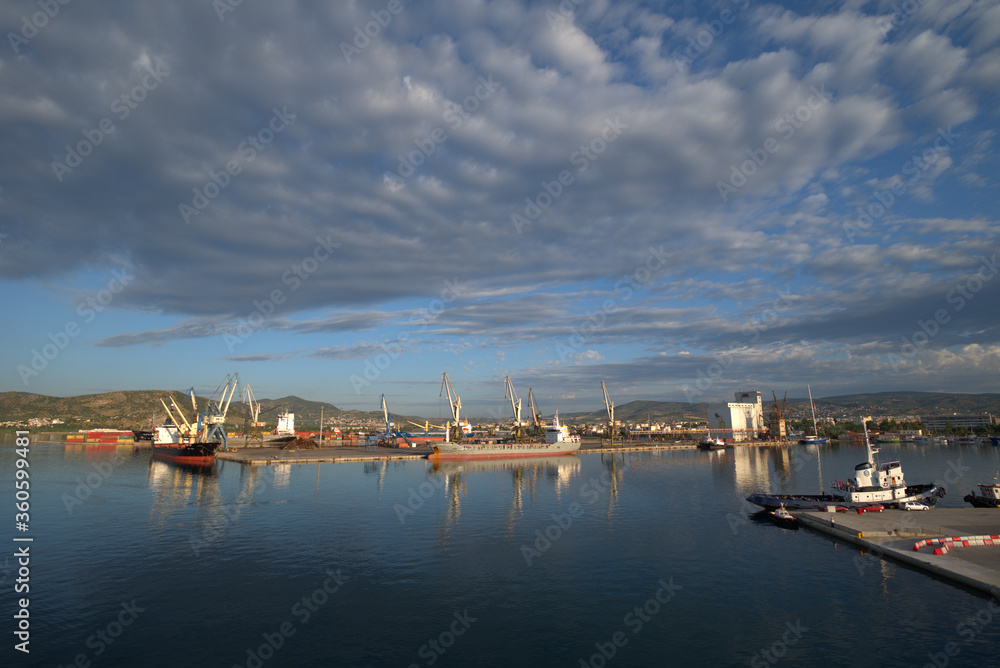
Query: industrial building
940,422
739,420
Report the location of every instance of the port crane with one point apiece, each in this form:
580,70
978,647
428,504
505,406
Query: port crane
251,420
515,404
207,425
454,403
615,440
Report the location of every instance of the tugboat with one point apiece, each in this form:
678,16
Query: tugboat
989,493
988,496
711,444
875,482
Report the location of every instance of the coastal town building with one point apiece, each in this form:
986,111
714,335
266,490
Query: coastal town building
739,420
940,422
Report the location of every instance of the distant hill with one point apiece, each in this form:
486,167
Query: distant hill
644,411
907,403
848,405
135,408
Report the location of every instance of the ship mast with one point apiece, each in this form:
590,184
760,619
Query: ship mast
815,430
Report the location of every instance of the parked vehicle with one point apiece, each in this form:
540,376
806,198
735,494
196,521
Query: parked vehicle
915,505
874,508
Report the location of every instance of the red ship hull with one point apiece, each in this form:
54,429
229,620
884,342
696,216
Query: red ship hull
197,454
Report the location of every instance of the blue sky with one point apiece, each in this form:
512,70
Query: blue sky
345,199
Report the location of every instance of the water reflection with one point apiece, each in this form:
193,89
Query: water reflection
524,472
178,485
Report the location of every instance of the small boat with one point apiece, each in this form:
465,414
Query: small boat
781,516
712,444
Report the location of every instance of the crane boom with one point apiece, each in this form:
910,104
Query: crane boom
534,410
609,405
454,401
515,402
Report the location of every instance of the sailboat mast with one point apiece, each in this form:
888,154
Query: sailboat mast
815,430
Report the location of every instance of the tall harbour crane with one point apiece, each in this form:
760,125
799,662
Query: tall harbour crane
610,406
454,403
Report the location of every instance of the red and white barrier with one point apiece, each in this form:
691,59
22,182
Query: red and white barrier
956,541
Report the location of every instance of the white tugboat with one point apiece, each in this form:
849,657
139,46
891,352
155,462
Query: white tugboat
874,482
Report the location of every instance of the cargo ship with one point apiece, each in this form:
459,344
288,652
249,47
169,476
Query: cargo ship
194,442
874,482
169,446
557,442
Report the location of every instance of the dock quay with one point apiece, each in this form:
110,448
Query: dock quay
264,456
893,534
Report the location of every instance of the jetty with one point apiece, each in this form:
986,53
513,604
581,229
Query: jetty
893,534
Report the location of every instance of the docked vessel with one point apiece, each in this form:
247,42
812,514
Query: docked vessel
169,445
711,444
782,517
815,439
557,437
988,496
194,442
557,442
874,482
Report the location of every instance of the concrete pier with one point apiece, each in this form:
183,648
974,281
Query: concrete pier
892,534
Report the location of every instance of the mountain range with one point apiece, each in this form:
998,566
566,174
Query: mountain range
140,407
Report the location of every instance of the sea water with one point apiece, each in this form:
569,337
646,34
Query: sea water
648,558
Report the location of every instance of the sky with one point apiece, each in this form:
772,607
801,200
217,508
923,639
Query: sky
340,200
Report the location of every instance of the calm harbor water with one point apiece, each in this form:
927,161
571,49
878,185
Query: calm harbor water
639,559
